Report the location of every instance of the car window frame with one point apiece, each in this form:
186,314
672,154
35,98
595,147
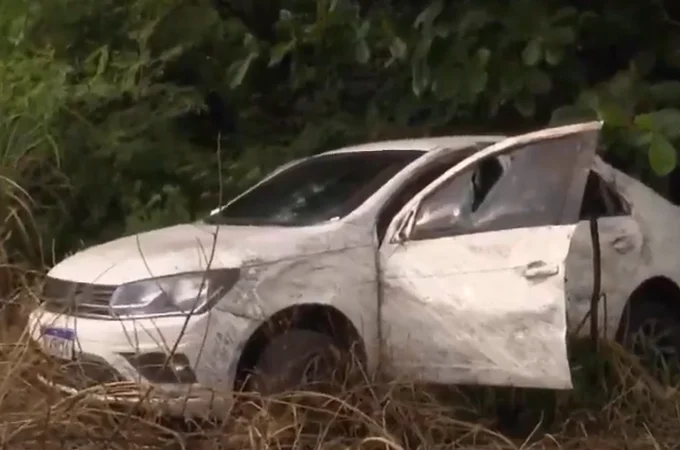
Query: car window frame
457,228
438,155
400,229
607,176
468,172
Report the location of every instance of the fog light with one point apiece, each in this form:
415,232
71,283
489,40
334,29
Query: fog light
162,368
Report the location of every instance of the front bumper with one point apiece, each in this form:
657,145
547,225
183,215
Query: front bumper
100,373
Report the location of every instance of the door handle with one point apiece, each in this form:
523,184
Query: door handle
622,244
540,269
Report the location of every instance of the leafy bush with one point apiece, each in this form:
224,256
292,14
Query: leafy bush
116,115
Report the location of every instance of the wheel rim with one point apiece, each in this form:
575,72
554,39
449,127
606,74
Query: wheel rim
318,370
656,344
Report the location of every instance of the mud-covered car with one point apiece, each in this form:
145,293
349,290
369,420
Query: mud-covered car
461,259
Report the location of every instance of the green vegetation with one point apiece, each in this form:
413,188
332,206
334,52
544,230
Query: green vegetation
112,112
119,115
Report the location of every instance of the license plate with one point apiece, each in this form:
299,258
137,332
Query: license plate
59,342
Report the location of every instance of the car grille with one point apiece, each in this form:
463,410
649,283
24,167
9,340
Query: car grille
85,372
78,299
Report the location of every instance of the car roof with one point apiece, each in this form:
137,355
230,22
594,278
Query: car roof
421,144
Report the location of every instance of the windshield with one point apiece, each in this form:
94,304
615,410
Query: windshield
322,188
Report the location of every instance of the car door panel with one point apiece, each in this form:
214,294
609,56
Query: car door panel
456,310
485,307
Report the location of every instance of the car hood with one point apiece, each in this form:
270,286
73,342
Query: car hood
188,248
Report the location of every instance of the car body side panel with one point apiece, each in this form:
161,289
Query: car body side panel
656,218
338,270
648,240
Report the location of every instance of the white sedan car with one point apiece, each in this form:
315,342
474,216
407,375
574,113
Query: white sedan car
462,260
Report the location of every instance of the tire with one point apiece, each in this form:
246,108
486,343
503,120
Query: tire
283,364
653,335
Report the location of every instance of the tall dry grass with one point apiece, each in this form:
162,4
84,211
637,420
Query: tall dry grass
614,405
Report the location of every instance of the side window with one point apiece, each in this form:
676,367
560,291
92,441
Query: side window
451,208
601,200
405,194
417,184
535,189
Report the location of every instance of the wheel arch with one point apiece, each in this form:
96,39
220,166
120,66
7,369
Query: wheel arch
658,288
318,317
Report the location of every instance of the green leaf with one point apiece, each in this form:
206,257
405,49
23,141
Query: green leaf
103,61
429,14
662,155
532,52
665,92
363,29
613,114
622,84
640,139
279,51
362,52
250,42
483,55
664,121
644,122
420,77
588,18
17,30
398,49
554,55
238,70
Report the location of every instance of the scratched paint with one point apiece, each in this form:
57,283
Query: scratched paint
478,312
459,309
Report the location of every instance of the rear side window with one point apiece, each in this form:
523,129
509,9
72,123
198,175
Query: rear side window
600,199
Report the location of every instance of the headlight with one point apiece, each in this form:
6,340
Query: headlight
185,293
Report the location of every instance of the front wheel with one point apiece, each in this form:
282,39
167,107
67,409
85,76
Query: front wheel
299,360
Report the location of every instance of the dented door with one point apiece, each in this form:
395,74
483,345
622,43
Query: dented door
473,292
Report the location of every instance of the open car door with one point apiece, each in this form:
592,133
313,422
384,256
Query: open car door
472,268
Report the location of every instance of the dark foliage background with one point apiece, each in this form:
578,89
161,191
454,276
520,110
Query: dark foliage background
115,112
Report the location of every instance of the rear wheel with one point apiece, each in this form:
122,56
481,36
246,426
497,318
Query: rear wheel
653,335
